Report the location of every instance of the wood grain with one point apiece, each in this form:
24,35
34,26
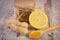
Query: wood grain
50,7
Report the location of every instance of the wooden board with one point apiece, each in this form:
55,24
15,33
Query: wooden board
53,13
50,7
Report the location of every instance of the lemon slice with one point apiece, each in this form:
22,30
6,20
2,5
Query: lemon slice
38,19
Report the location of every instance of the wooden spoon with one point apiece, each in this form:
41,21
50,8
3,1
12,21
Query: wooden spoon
39,33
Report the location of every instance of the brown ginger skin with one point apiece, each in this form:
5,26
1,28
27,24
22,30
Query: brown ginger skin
15,25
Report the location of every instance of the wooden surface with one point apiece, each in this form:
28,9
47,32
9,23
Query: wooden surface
50,7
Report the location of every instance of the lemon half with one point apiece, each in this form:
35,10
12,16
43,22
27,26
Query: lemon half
38,19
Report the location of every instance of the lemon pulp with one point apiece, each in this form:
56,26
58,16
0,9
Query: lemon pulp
38,19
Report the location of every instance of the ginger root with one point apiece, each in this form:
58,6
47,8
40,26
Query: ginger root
15,25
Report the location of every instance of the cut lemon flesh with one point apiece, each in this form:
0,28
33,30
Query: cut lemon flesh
38,19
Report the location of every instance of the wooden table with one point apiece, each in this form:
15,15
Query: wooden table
50,7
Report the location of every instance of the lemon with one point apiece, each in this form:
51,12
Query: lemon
38,19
